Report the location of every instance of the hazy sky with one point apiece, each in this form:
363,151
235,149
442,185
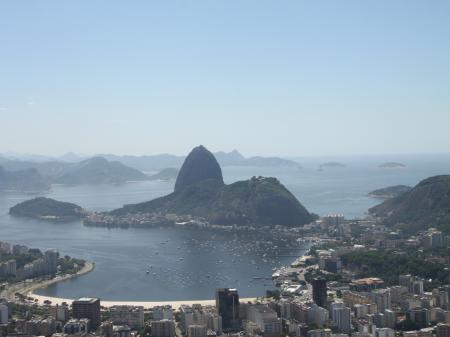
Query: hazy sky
266,77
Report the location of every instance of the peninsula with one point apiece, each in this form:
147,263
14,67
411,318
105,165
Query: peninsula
201,193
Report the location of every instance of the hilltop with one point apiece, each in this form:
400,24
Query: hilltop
425,205
199,165
201,192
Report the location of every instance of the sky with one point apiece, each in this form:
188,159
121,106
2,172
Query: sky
288,78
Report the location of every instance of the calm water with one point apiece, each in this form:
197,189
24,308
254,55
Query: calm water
190,264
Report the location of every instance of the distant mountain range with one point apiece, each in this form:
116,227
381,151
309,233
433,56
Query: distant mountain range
104,169
96,170
425,205
200,191
28,180
233,158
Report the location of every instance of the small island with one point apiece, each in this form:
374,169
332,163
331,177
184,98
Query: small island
391,164
389,192
331,164
48,209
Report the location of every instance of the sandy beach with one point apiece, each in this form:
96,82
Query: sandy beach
145,304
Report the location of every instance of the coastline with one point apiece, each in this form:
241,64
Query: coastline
28,291
26,288
146,304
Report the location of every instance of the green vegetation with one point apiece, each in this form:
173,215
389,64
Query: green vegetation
70,265
46,207
317,273
200,191
388,265
426,205
256,201
275,294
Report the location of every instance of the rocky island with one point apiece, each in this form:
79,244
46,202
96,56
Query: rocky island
48,209
392,164
201,193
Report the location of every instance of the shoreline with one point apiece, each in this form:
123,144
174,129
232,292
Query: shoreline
28,291
26,288
146,304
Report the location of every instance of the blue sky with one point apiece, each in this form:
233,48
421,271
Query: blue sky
266,77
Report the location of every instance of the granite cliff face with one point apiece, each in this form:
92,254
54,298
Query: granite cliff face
425,205
201,192
198,166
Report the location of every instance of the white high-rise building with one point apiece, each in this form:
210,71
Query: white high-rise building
342,319
382,298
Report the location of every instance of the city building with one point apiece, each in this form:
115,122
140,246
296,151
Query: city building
132,316
163,328
342,319
382,298
319,333
196,331
77,326
121,331
384,332
4,312
89,308
227,305
162,312
443,330
319,287
266,319
60,313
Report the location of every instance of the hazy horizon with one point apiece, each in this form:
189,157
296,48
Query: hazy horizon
267,78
